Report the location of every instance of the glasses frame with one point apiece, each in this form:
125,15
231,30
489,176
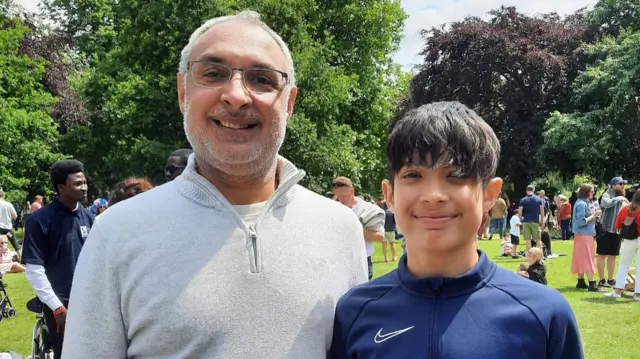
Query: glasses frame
285,76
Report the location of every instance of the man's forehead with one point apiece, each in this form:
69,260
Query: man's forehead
239,40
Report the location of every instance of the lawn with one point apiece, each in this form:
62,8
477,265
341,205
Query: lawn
609,328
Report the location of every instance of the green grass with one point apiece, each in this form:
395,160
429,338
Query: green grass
609,328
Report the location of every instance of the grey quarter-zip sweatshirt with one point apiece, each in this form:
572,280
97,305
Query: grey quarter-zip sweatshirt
176,273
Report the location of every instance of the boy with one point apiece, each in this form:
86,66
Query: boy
514,231
446,298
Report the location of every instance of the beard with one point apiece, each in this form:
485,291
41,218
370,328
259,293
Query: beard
257,160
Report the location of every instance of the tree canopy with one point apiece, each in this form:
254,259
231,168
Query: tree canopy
342,50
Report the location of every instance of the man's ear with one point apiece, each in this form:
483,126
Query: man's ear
293,93
181,91
491,193
387,191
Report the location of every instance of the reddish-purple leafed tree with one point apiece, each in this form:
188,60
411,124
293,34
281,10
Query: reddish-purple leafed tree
512,69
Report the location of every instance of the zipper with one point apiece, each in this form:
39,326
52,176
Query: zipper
434,337
252,231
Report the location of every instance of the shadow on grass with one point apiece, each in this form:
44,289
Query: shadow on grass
570,289
605,300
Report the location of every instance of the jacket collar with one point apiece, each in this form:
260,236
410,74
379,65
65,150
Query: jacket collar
195,187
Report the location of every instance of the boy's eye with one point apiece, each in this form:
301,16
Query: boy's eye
411,175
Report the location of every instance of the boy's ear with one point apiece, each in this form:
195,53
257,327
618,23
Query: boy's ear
491,193
387,191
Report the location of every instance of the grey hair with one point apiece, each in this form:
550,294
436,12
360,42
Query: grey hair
444,134
251,17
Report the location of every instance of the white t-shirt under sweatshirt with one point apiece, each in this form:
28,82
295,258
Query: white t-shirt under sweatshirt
177,272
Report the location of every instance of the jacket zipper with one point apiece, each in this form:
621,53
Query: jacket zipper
252,233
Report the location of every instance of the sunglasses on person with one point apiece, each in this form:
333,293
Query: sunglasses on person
340,184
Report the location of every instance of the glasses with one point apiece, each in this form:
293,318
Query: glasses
339,184
255,79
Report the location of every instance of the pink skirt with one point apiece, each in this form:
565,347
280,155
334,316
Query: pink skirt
584,253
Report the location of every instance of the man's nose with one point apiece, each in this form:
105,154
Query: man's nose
234,93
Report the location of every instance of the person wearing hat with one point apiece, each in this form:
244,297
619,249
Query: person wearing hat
371,216
608,244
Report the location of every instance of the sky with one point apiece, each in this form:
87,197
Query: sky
424,14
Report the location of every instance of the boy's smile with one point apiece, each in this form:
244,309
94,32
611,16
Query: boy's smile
435,220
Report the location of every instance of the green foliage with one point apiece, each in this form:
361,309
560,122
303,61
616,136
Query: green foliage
348,84
600,137
27,132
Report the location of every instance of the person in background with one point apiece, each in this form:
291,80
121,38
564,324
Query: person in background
98,206
128,188
37,204
8,214
447,299
370,215
498,213
514,233
535,269
389,233
584,230
8,263
626,220
564,217
608,243
55,235
176,163
531,213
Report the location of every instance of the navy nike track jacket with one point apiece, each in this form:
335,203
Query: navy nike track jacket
488,312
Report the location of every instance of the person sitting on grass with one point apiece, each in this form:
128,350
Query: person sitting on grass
442,159
506,245
535,268
8,258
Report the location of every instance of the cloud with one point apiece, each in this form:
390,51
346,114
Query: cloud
425,14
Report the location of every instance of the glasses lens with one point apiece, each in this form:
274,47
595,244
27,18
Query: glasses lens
339,184
263,80
209,74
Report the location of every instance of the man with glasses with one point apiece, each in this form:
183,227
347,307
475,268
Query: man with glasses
176,163
260,261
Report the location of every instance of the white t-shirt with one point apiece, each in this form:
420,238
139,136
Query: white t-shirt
6,214
250,212
514,223
359,209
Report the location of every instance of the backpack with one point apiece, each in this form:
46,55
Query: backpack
629,227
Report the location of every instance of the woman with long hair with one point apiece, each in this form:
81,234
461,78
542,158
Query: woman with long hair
628,217
128,188
584,229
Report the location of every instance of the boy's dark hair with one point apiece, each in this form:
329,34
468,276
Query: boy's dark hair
61,170
443,134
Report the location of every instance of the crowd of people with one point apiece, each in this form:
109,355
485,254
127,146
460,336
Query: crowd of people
232,258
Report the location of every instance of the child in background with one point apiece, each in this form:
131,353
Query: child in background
441,161
514,233
535,269
506,245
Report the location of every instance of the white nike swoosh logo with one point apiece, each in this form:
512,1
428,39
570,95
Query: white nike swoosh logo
379,338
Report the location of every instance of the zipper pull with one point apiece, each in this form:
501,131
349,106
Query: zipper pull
252,233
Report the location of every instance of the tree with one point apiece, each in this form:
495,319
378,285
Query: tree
512,69
27,132
601,136
347,82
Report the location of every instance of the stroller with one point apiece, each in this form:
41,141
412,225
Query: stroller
41,347
6,308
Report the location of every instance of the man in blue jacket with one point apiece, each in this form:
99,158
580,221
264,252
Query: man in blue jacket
447,300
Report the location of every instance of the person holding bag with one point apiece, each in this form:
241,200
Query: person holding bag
628,223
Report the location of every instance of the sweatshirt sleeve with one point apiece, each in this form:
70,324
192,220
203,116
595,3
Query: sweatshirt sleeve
94,327
564,337
607,201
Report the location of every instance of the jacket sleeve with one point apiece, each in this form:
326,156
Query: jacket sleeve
624,212
94,327
607,201
564,339
338,348
580,214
